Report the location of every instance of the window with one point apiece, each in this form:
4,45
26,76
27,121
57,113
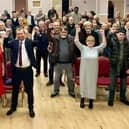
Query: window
36,3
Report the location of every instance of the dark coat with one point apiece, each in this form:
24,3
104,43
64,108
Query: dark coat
71,29
42,41
55,52
114,48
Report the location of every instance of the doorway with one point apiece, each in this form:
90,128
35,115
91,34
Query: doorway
20,4
65,7
110,10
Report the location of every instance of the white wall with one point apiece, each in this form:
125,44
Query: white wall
6,4
57,4
102,7
45,5
99,6
126,11
119,6
89,5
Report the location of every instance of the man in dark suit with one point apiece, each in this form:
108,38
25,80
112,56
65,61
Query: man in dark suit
41,51
22,60
30,21
14,22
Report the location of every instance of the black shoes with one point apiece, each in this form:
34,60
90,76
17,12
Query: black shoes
82,105
54,94
10,112
72,95
49,83
45,75
62,84
125,101
57,94
90,104
110,103
37,74
32,113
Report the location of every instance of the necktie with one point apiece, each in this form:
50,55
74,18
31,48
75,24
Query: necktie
20,53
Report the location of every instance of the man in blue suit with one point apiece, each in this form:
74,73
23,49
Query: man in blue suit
22,60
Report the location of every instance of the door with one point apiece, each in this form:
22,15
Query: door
20,4
65,6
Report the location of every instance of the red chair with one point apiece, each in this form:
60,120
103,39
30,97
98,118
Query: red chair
76,71
103,80
103,72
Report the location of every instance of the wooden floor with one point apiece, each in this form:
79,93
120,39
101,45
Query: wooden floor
63,112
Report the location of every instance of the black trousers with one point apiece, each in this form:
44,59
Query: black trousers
51,72
30,28
44,55
25,74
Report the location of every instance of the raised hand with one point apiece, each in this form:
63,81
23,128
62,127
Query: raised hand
102,31
77,28
127,71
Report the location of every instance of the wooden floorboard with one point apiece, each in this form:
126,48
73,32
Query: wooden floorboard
63,112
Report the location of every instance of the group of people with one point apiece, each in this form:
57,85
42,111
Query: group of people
60,42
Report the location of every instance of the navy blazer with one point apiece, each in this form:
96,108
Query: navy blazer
14,45
42,40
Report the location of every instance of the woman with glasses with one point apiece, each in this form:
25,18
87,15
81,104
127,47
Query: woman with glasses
88,66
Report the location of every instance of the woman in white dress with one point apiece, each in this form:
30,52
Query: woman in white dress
89,67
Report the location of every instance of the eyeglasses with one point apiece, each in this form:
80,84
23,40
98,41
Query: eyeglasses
90,40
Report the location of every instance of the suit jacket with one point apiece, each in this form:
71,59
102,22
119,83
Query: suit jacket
42,40
15,23
54,55
14,45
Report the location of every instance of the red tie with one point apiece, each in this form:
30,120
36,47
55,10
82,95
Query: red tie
20,53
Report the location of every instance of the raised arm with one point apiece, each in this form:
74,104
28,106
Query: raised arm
76,40
104,42
7,42
103,36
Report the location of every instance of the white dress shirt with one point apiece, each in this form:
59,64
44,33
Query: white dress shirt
29,20
25,58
